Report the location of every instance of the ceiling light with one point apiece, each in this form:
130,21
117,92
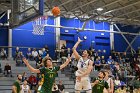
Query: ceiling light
99,9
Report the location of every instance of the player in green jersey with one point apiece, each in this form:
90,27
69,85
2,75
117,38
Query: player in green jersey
49,71
16,85
99,83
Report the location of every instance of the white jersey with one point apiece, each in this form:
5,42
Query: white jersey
82,66
25,89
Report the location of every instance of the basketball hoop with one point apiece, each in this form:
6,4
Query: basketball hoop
38,25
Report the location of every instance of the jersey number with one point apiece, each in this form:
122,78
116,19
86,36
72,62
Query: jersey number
51,75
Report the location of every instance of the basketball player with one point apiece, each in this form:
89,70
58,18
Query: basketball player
25,87
109,81
16,86
85,65
49,71
99,83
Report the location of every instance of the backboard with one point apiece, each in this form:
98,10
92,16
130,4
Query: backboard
24,11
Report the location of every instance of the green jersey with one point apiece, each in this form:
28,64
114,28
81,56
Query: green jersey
17,85
98,88
49,78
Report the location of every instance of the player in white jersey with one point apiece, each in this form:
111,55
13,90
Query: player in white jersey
85,66
25,87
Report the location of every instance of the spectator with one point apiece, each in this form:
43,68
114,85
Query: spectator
29,54
32,81
34,54
109,60
16,52
117,69
16,86
19,59
25,87
55,88
38,61
117,82
97,64
68,52
63,55
61,87
44,53
3,54
103,60
46,49
63,47
24,76
7,70
109,81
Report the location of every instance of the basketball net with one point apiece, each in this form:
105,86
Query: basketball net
38,25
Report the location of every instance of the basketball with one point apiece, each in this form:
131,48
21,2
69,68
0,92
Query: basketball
55,11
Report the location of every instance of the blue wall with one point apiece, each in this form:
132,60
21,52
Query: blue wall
3,31
120,44
23,37
102,40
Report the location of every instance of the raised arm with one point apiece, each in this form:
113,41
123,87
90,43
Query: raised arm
66,63
77,56
30,67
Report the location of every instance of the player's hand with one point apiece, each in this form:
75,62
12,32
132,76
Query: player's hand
79,40
25,61
78,78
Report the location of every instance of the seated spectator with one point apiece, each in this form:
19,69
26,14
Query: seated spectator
63,55
103,60
68,52
97,64
46,49
109,60
38,61
3,54
117,82
25,87
63,46
55,88
7,70
34,54
32,81
19,59
24,76
61,87
16,53
29,54
40,52
117,69
44,53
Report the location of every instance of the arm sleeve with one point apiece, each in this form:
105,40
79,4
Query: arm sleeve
106,85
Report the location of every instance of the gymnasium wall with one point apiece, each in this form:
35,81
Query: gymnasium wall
23,37
3,31
101,39
120,44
